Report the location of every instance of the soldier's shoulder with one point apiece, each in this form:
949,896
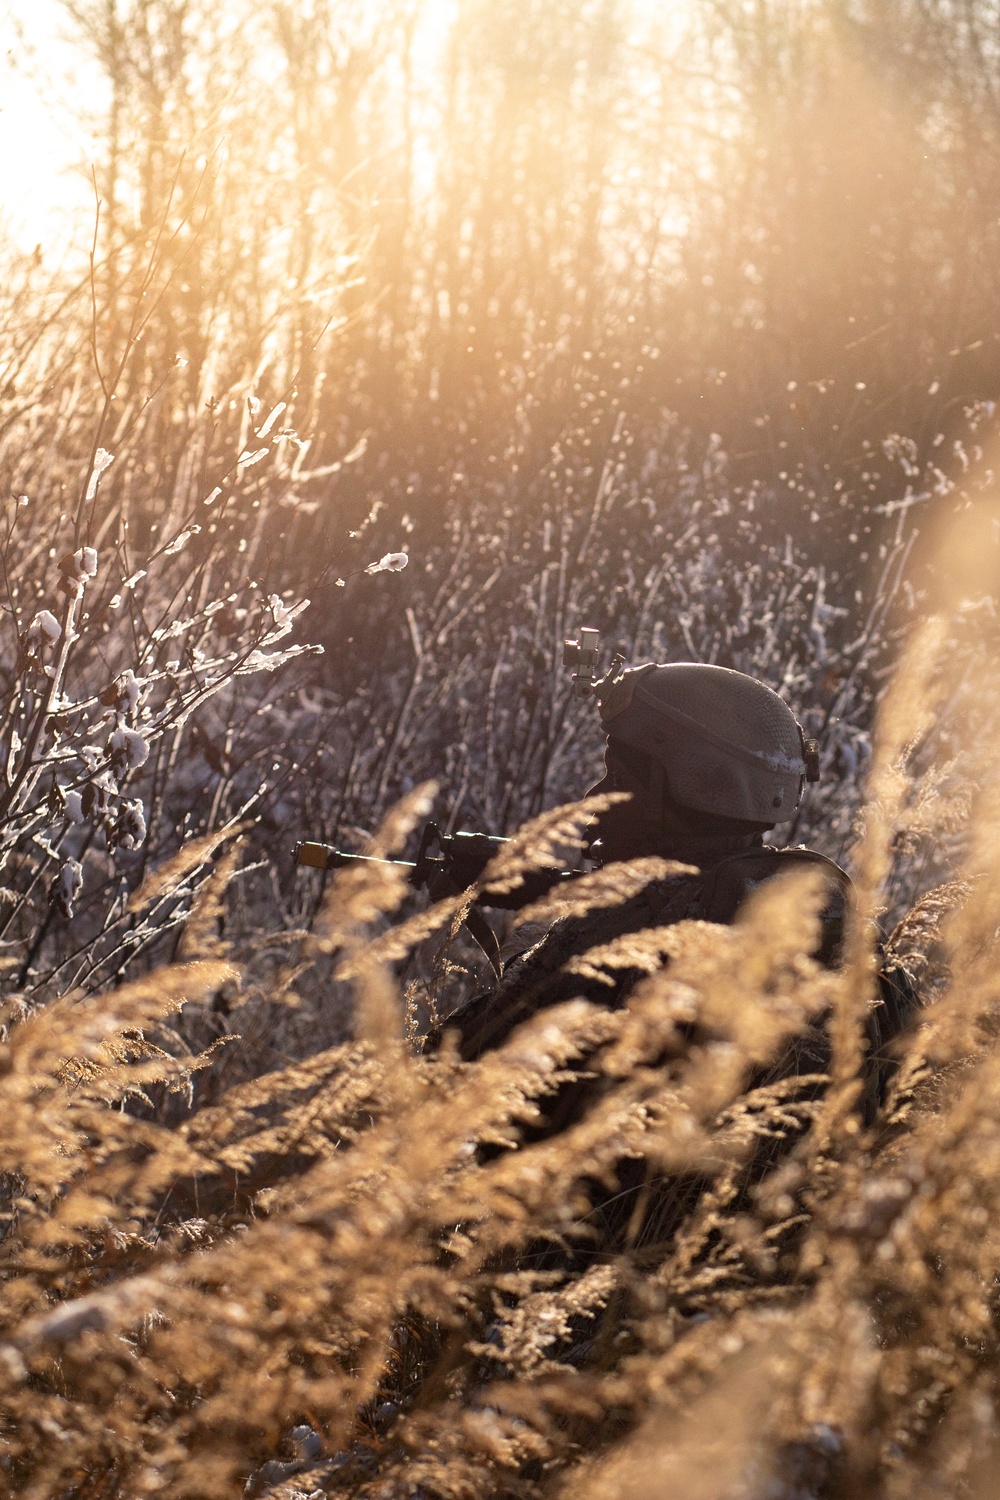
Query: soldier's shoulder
732,879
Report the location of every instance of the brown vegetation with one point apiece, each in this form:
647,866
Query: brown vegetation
361,1254
672,324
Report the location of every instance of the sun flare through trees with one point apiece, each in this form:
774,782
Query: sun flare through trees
400,341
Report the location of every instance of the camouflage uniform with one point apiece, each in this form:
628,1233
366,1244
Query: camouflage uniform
538,977
714,758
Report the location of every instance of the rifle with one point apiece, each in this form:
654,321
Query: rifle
462,859
464,856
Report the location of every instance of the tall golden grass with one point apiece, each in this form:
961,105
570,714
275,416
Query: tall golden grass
380,1274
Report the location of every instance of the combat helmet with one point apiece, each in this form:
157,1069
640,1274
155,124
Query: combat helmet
712,741
724,743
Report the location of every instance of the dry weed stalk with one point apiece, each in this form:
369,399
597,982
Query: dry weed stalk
446,1287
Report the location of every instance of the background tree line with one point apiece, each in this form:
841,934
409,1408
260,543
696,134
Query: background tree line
676,320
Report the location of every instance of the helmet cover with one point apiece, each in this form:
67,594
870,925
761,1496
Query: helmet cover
728,744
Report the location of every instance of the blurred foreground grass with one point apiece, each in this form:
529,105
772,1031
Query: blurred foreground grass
356,1274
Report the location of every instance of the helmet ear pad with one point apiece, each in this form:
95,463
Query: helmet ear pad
659,804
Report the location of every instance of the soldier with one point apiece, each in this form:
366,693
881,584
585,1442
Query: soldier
711,760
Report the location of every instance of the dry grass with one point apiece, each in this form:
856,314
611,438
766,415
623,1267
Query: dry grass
377,1274
436,304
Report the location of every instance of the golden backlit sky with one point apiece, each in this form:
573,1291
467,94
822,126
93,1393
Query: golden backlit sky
52,109
48,94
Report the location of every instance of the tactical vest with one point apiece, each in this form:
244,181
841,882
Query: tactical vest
537,978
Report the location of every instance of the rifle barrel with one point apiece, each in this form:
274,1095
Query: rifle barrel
327,857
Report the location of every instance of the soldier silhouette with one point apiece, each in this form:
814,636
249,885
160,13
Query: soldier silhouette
711,759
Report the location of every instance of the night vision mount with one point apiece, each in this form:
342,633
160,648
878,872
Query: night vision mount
582,656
